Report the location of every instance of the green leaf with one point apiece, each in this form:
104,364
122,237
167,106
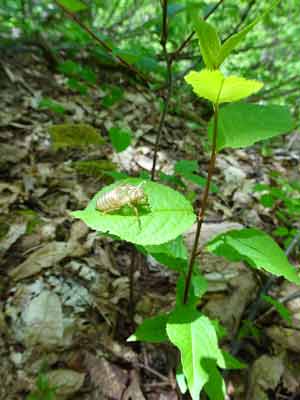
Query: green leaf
215,87
173,254
194,335
114,95
120,139
74,136
215,387
53,105
255,247
167,215
281,231
210,44
267,200
184,166
233,41
231,362
151,330
198,287
279,307
188,169
73,5
243,124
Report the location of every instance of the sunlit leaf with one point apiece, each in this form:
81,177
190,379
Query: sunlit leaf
167,215
255,247
243,124
215,87
194,335
73,5
209,41
151,330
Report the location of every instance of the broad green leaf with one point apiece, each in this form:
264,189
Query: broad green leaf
210,44
215,87
255,247
279,307
184,166
151,330
242,124
74,136
233,41
73,5
166,216
194,335
120,139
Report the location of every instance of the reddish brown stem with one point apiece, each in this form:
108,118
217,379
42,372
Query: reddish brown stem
203,206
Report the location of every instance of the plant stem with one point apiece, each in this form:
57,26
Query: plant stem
133,266
168,59
203,206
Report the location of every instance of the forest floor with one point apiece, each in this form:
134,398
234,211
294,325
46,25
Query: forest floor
65,313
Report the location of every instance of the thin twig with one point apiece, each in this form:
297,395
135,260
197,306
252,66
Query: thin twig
132,269
203,207
168,59
102,43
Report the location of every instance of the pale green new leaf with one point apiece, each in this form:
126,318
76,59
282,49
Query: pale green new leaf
194,335
73,5
209,41
255,247
242,124
151,330
166,216
215,87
